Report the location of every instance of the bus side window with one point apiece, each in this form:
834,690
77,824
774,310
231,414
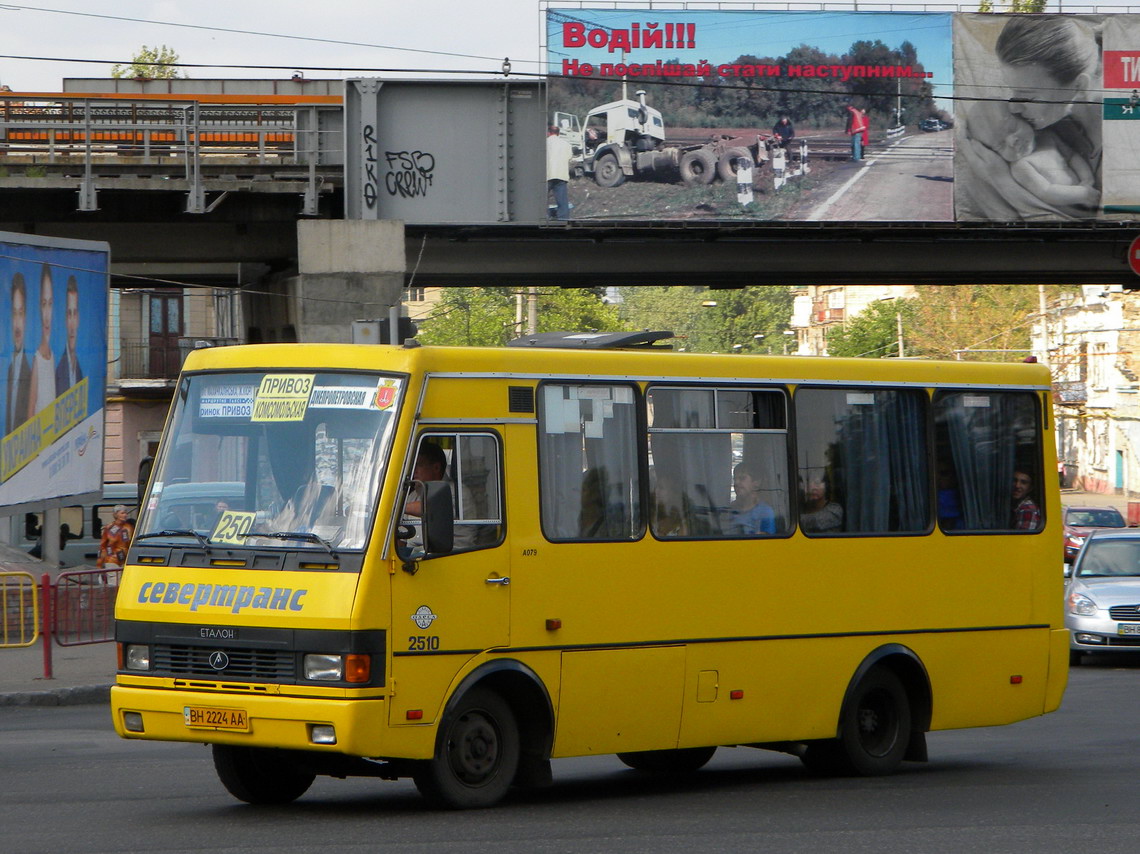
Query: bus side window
473,470
863,461
719,462
984,441
589,479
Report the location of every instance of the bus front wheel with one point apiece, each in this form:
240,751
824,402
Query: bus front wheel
476,757
260,775
683,761
873,733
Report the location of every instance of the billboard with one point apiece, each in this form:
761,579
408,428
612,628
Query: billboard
660,108
844,116
53,355
1047,122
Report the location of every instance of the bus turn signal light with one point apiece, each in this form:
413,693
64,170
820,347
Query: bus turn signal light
357,668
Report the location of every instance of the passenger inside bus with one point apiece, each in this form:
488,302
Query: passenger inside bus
750,515
820,514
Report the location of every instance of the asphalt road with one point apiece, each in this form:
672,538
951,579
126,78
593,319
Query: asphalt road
1061,783
911,180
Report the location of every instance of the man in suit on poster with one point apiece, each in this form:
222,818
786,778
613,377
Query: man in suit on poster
67,370
19,368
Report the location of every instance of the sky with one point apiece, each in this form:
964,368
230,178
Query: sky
453,35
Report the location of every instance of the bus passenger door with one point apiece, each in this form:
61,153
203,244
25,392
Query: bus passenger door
457,605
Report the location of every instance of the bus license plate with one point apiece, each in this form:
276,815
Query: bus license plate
1128,629
205,717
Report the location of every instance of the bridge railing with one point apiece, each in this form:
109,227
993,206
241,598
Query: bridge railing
147,132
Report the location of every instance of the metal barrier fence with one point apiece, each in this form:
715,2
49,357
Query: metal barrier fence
83,606
19,610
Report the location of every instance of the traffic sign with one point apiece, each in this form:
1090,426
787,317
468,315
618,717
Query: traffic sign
1134,256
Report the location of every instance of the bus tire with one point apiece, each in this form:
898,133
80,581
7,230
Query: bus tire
259,775
698,167
607,171
873,733
726,166
683,761
476,755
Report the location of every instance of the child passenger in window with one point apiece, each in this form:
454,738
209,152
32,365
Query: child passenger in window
752,516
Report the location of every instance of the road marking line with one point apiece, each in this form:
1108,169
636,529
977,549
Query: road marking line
818,213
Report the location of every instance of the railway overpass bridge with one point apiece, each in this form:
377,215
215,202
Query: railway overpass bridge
209,187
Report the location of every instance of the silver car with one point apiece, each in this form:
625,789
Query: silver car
1102,596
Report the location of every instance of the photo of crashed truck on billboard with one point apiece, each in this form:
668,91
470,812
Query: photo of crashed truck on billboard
749,115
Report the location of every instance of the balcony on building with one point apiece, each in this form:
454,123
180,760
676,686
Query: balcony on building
149,364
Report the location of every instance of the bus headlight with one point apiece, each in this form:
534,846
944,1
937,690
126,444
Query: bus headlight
136,656
1082,605
329,667
324,667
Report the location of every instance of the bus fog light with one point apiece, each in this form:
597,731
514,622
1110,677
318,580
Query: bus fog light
322,734
132,722
137,656
321,667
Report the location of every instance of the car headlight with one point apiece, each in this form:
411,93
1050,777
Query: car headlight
1081,605
1075,541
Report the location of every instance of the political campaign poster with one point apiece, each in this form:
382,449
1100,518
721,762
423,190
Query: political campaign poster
1047,126
749,115
53,359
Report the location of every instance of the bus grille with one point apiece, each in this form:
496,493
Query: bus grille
1124,612
269,664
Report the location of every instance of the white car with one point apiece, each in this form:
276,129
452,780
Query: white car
1102,596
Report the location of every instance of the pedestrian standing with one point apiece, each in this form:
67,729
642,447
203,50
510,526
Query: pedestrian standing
116,540
558,155
859,129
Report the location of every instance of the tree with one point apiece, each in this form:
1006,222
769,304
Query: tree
150,63
873,333
993,321
747,320
485,317
1025,6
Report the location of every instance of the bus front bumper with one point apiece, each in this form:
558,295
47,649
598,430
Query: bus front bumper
357,727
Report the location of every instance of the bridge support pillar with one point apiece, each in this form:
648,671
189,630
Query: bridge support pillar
347,270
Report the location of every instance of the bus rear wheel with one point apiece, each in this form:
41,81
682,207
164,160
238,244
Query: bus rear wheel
873,733
259,775
476,756
683,761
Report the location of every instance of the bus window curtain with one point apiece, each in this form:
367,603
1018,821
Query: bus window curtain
983,446
590,487
884,446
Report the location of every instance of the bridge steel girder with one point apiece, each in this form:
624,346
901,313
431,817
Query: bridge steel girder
726,256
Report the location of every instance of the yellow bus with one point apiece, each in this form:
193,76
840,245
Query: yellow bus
457,564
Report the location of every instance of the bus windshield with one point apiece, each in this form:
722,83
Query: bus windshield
272,459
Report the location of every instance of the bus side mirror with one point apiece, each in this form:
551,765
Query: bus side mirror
145,467
438,518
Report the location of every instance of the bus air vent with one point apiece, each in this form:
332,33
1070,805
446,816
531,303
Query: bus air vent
520,398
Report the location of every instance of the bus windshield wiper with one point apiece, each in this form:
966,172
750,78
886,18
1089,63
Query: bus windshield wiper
178,532
307,536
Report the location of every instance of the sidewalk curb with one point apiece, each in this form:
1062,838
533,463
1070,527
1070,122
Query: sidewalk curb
79,695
